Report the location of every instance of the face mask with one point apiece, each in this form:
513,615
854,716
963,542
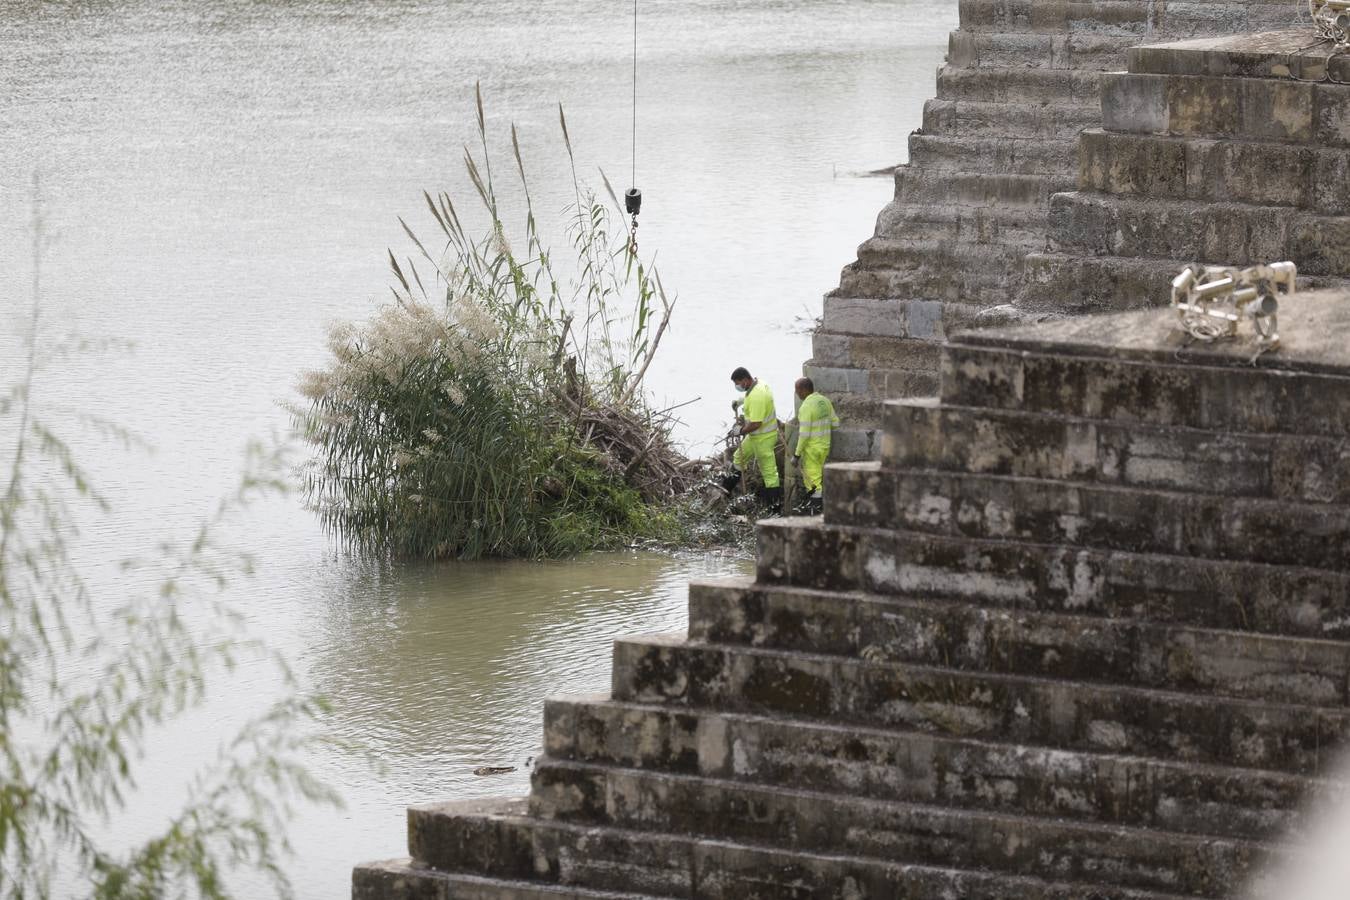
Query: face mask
742,390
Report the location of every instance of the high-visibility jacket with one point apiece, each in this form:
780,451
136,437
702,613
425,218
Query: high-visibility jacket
815,422
758,407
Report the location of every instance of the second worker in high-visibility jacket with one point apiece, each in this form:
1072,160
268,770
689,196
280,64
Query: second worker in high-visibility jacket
816,422
759,433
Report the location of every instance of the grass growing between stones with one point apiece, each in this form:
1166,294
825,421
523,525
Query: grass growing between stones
496,406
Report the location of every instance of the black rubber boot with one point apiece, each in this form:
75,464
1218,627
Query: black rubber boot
731,481
773,499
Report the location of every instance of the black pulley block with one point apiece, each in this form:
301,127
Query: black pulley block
632,201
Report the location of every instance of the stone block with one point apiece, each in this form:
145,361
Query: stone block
1275,466
1247,172
694,867
944,153
1330,182
976,119
976,637
864,315
1060,284
1114,163
964,773
830,380
1070,715
919,356
1214,526
1205,106
831,349
1332,112
972,272
1278,54
1238,234
406,879
1190,396
854,441
1134,103
924,320
829,823
1033,86
914,186
1157,588
1056,16
1276,110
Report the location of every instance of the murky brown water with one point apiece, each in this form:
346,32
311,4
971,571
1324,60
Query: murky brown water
224,178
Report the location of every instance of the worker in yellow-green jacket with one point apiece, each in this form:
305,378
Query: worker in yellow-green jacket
816,422
759,435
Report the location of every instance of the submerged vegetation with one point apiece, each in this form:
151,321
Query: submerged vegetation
495,407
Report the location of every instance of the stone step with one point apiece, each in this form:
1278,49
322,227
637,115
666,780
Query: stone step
1066,283
921,432
1135,721
1249,172
1070,284
1009,228
1181,19
495,838
1011,50
1020,85
1215,387
976,637
975,189
1085,514
938,270
970,118
1258,109
403,879
1287,52
498,840
857,438
851,386
923,767
904,322
1237,596
1088,223
1017,156
1123,16
1149,21
843,340
818,822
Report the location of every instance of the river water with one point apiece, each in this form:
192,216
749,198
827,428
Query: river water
222,180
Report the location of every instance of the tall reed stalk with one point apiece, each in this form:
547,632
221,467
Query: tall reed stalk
495,407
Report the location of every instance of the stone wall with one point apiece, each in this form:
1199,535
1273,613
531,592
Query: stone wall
998,141
1231,151
1083,631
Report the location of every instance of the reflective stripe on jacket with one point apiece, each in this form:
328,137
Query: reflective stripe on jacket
815,419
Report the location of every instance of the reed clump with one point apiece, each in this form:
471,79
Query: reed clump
495,407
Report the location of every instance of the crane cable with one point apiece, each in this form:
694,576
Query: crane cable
632,199
633,178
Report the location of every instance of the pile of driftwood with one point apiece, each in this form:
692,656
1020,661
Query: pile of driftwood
637,447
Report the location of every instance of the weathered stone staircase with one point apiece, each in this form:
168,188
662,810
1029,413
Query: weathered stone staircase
1020,83
1083,631
1232,151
